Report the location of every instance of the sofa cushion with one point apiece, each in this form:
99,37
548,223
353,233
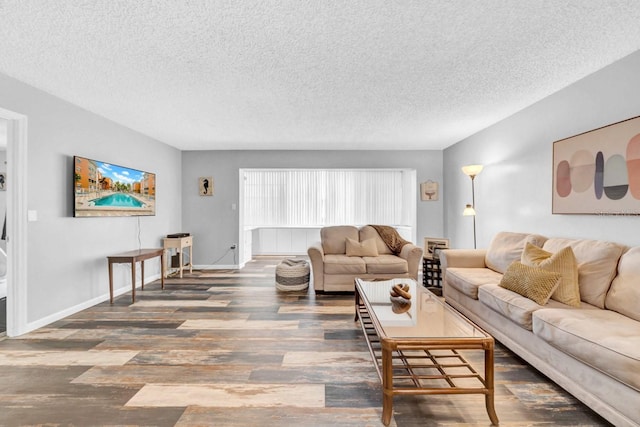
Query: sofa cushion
386,264
624,295
334,239
604,339
368,232
531,282
597,265
343,264
507,247
562,262
511,305
467,280
365,248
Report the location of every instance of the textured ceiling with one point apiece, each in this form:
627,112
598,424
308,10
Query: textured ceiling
310,74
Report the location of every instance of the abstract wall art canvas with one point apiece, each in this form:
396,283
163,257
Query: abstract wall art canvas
598,172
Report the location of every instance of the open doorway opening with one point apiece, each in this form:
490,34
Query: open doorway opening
3,224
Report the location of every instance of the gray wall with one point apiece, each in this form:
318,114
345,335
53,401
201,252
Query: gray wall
514,190
67,265
214,224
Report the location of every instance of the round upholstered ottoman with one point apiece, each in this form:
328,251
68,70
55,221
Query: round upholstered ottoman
292,275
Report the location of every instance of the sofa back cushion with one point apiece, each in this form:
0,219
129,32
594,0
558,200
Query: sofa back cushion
368,232
506,247
334,239
624,295
597,265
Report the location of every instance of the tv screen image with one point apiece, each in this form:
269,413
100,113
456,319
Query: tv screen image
105,189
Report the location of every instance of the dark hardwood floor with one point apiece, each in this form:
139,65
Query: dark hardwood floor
225,348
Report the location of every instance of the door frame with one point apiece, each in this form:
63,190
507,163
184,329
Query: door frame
16,222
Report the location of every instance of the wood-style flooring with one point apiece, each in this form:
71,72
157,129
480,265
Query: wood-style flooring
225,348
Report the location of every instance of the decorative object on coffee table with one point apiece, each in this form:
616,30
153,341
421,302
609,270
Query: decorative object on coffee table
292,275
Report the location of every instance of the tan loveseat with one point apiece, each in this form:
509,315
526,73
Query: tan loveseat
592,350
346,252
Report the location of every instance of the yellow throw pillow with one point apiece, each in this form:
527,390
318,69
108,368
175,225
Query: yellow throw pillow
365,248
563,262
531,282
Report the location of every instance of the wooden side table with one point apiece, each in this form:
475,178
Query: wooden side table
179,243
132,257
432,274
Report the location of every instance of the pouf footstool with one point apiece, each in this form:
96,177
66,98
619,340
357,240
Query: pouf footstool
292,275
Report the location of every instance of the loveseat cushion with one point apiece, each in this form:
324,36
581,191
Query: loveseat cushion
368,232
597,265
511,305
343,264
624,295
365,248
507,247
386,264
467,280
334,239
604,339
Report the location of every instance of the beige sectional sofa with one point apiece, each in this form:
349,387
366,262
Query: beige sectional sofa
335,260
592,351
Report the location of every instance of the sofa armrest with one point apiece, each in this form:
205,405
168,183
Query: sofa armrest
316,257
413,255
465,258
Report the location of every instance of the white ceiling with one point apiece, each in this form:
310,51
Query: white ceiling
310,74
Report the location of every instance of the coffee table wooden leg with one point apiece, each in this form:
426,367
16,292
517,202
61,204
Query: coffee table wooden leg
488,377
387,385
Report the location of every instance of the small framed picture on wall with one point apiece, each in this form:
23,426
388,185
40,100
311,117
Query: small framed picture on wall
205,185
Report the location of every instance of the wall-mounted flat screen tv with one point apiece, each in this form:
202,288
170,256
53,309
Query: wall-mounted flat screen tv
105,189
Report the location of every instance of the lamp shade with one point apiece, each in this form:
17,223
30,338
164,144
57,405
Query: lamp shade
472,170
469,211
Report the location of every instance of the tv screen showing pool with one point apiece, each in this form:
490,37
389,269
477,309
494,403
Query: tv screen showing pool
105,189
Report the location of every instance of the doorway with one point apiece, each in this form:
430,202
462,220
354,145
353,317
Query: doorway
16,220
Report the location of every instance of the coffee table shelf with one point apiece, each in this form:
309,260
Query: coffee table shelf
412,358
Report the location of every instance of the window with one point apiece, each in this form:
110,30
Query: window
321,197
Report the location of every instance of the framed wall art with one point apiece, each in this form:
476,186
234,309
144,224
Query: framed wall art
598,172
429,191
432,245
205,186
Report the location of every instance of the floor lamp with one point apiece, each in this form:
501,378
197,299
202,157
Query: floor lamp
470,210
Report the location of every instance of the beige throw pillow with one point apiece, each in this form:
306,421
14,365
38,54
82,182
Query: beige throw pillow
563,262
530,282
365,248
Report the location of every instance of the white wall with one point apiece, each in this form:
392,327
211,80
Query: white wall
214,224
513,192
67,267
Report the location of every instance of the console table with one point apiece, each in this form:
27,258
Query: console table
132,257
179,243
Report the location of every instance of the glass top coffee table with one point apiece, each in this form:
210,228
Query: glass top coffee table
415,344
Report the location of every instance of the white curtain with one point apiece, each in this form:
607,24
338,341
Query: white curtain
321,197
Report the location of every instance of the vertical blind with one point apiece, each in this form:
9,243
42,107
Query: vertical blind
321,197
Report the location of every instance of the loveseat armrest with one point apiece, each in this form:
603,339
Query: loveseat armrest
316,257
464,258
413,255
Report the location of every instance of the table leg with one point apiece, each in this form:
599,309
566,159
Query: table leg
142,274
180,262
162,270
488,377
110,281
133,281
190,259
387,385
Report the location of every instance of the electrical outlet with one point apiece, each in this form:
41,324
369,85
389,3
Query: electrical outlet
233,246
